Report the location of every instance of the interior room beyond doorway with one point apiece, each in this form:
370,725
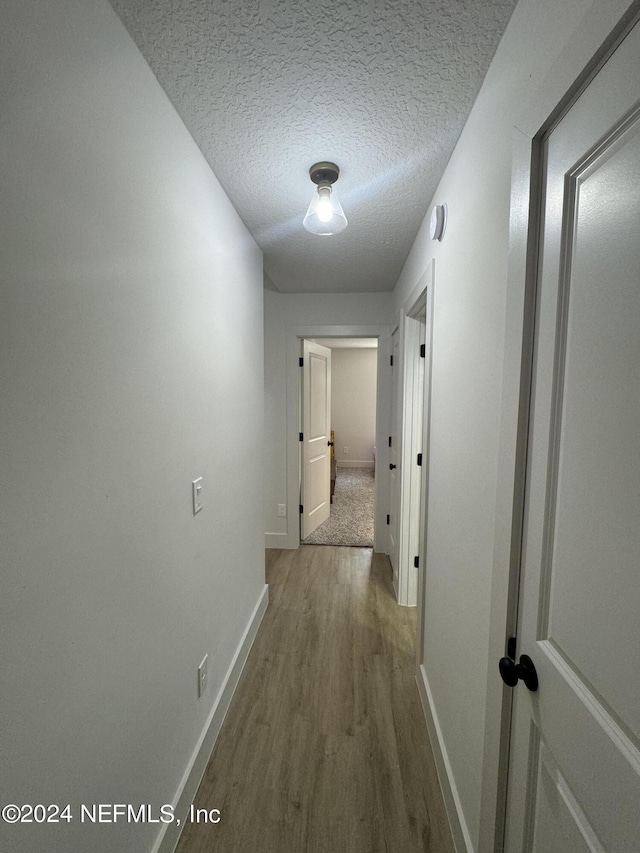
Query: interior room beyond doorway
353,399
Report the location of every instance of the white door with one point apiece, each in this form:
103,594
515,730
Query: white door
394,440
416,408
574,781
316,436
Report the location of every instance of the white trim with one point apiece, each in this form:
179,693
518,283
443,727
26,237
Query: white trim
414,434
417,299
294,335
355,463
276,540
169,835
410,441
429,292
459,830
504,580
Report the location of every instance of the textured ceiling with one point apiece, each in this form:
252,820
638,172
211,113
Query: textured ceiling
269,87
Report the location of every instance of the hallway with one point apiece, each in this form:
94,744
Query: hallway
325,747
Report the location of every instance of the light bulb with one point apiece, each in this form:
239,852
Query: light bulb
324,215
325,208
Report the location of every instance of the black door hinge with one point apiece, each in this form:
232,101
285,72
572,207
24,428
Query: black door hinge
391,361
301,362
388,519
301,509
419,458
389,441
300,436
423,350
416,562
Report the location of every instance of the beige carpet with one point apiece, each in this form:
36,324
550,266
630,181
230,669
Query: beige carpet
351,519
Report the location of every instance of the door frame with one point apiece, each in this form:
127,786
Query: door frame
415,378
591,45
394,452
383,410
423,297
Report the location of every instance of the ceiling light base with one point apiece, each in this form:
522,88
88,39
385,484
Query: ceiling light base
324,172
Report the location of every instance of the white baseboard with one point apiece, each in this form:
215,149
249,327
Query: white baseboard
355,463
169,834
459,830
279,540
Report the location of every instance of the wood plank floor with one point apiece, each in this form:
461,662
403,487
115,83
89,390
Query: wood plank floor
324,748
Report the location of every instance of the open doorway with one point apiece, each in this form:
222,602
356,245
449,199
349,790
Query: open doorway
352,401
294,337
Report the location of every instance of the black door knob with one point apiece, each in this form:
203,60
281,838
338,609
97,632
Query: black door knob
391,466
512,672
329,444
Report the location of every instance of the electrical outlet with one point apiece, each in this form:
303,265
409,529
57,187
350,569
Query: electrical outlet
203,675
345,450
282,510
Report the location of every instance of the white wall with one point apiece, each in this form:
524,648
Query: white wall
545,47
353,404
286,315
129,292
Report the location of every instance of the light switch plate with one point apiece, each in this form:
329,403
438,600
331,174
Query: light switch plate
203,675
196,488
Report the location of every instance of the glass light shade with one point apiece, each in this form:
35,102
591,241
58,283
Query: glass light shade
325,215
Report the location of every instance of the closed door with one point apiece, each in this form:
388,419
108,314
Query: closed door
394,439
574,780
316,436
416,409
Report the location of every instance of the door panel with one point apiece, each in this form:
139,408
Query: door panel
596,511
560,823
316,430
574,781
318,399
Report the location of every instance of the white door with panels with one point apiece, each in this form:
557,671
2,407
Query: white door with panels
316,437
415,412
574,778
394,440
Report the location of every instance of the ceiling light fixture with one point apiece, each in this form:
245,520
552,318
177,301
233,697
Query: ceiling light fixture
325,215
